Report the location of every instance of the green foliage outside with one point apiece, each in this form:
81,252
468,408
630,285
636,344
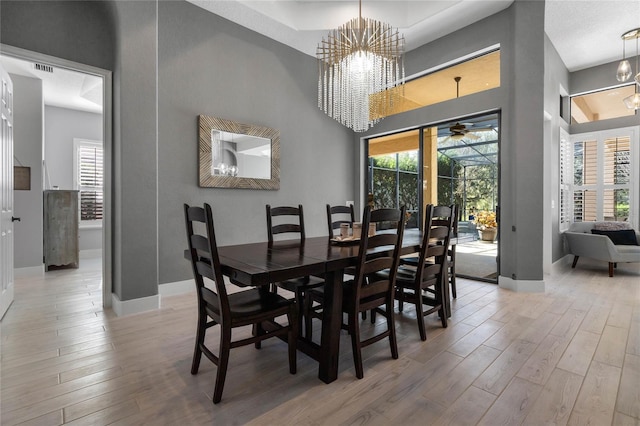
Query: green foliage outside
480,184
404,167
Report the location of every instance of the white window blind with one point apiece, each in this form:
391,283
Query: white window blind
604,168
565,183
90,180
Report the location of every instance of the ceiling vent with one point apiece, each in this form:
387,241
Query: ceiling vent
43,67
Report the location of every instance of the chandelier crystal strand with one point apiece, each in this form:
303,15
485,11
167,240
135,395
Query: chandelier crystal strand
361,69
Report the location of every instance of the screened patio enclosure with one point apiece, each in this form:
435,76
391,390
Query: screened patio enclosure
454,162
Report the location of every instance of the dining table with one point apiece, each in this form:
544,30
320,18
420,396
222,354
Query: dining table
260,264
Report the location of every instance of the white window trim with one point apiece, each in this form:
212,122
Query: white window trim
566,186
600,137
77,142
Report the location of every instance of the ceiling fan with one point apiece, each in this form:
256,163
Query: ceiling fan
462,130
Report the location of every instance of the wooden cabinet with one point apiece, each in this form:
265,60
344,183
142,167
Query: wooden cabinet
61,239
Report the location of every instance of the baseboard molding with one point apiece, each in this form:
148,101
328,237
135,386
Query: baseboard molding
521,286
176,288
562,265
28,271
134,306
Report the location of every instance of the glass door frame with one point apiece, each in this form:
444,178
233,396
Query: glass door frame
420,214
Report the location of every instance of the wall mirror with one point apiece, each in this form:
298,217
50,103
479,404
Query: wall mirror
237,155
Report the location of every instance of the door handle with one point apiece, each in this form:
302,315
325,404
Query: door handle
14,219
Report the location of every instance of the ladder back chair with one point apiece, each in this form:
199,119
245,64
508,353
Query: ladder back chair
451,252
217,307
290,220
343,214
361,294
423,283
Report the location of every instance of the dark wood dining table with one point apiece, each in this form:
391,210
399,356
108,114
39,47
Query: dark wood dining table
260,264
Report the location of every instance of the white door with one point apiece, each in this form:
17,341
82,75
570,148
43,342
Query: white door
6,193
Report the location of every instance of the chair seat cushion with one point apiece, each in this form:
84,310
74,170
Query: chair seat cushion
626,237
247,303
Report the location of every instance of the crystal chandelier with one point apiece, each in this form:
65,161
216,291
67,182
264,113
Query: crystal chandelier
361,72
624,71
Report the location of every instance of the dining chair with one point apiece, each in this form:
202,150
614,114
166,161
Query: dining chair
423,284
217,307
337,215
361,294
451,252
290,221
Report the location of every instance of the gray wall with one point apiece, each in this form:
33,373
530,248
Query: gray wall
239,75
555,76
27,148
61,127
81,31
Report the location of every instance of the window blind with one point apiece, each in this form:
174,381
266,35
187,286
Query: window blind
90,180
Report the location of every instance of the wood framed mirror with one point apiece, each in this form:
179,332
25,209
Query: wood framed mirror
237,155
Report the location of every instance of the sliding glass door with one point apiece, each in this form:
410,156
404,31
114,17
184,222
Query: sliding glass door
449,163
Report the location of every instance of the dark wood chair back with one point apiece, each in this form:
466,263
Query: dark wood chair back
444,221
438,229
343,214
363,294
368,264
423,282
288,220
216,307
205,261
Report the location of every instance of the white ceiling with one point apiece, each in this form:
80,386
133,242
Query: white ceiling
585,33
62,87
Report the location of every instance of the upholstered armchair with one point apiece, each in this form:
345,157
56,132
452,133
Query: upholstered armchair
612,242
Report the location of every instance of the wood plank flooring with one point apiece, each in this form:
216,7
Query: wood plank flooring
570,355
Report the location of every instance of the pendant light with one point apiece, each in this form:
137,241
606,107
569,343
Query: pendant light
624,67
633,101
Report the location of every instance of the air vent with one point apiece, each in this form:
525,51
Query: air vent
43,67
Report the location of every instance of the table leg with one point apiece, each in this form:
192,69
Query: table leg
331,325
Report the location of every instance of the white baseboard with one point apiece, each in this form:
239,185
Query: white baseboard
28,271
562,265
134,306
521,286
176,288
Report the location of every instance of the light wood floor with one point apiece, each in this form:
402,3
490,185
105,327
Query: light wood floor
568,356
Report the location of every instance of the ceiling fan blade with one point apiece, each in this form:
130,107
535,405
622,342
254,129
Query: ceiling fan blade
471,136
481,129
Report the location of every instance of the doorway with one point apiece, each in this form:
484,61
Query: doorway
454,162
92,96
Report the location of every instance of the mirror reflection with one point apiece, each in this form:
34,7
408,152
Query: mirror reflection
241,155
